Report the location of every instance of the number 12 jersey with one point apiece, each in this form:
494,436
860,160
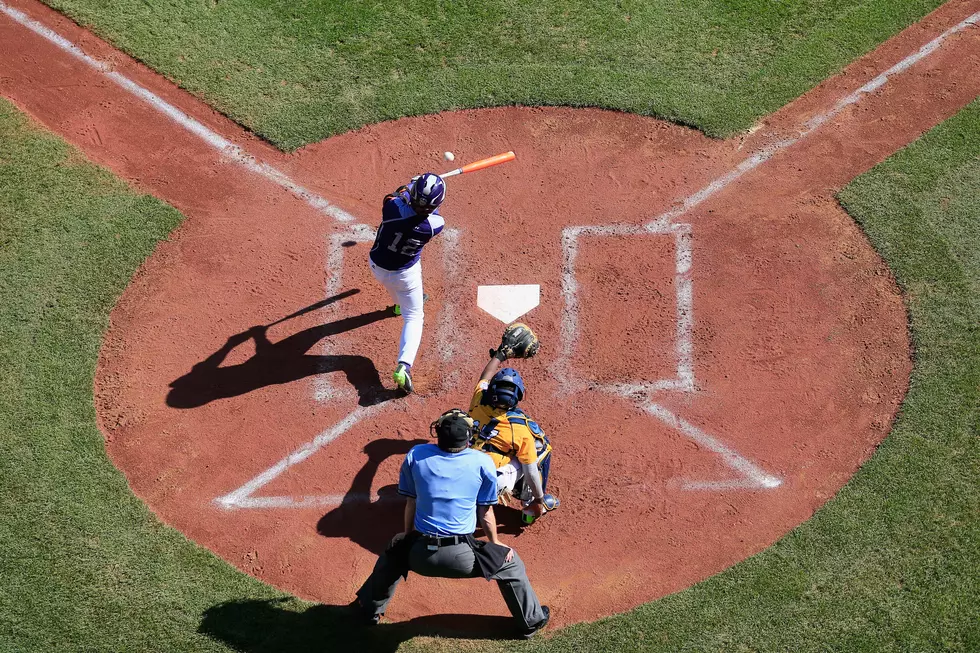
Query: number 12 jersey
403,232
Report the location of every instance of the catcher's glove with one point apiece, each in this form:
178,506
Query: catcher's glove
518,341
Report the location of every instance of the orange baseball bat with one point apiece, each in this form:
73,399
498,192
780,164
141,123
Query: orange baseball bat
481,164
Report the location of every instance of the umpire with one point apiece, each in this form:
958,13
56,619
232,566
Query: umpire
449,488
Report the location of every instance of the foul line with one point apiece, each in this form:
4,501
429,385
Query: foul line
766,153
216,141
658,224
242,497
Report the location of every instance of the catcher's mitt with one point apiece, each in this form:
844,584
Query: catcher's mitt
518,341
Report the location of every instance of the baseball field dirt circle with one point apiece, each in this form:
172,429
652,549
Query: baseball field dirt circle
709,377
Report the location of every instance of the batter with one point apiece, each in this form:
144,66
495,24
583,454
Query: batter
409,219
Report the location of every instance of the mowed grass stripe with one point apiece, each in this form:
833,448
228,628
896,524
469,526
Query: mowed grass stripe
296,72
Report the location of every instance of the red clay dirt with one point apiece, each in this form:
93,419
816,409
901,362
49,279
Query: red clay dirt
800,346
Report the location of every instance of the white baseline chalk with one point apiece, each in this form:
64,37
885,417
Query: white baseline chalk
761,156
683,287
753,476
242,497
323,387
216,141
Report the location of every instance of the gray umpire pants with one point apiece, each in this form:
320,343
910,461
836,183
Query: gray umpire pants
454,561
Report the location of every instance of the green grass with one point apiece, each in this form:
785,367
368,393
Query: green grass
892,563
83,564
297,71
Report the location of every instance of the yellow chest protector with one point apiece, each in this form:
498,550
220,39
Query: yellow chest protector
506,434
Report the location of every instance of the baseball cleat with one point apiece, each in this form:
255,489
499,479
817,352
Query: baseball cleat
403,378
529,633
363,616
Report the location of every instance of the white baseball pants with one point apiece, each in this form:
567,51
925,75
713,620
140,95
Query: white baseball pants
508,475
405,287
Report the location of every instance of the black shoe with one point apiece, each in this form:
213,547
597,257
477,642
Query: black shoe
529,633
363,616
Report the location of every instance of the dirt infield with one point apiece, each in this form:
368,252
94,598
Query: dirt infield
722,348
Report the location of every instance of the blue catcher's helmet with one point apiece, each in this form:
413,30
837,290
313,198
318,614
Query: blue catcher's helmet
506,388
427,193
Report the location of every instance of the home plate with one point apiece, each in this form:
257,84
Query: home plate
507,303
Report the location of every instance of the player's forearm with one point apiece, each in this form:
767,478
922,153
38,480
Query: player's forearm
533,477
484,514
409,515
492,366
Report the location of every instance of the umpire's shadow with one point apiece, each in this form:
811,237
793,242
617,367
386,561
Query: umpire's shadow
370,524
282,362
281,625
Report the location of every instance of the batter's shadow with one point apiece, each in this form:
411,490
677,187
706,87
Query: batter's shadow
285,361
270,626
369,524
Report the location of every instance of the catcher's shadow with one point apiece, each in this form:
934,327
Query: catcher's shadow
275,625
281,362
369,524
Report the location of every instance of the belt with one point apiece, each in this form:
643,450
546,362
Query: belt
449,540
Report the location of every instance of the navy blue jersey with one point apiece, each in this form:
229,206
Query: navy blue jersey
403,232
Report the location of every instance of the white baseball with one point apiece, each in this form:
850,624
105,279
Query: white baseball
449,156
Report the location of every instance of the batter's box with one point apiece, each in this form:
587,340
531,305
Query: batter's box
630,286
347,262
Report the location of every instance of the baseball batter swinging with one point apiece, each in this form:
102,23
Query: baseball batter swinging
409,219
519,448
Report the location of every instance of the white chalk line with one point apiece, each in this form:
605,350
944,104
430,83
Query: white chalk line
761,156
684,310
323,386
300,502
223,146
242,497
753,476
446,333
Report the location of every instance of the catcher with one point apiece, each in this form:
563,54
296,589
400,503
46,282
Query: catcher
519,448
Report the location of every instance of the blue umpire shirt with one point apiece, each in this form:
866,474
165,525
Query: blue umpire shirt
447,487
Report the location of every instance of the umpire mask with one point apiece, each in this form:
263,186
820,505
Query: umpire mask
454,430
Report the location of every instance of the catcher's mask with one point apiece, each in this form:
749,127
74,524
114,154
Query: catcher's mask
454,430
505,389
